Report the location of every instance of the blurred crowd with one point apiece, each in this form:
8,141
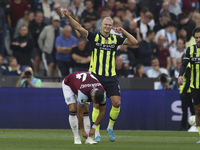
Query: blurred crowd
33,33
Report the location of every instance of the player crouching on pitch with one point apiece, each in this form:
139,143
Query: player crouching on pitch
83,87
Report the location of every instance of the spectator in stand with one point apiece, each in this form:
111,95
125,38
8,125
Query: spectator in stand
148,49
164,55
174,73
111,5
2,68
121,13
129,17
196,19
88,25
177,51
187,36
184,21
135,31
13,68
143,24
46,42
131,5
153,5
65,22
18,9
28,17
56,11
174,7
127,56
166,83
155,69
140,71
116,23
35,28
77,9
46,6
64,44
27,80
2,29
4,44
170,35
189,4
89,13
81,55
121,71
22,47
106,12
164,20
165,11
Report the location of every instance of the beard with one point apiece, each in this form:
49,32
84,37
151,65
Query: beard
198,44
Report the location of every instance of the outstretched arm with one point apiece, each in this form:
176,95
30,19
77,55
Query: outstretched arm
74,23
130,39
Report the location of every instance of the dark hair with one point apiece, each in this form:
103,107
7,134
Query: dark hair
82,39
164,78
153,58
189,34
138,66
172,24
38,12
150,32
89,1
196,30
182,40
98,96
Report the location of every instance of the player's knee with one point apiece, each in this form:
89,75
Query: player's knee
72,108
117,104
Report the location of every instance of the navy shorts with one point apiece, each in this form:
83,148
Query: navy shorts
110,84
195,96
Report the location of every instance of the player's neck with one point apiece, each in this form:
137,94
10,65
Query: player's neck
105,34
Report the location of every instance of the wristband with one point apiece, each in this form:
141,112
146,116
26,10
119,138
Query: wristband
94,126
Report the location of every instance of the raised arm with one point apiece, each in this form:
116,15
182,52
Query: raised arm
74,23
131,41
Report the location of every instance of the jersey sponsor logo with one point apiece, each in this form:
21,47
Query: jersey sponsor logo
195,60
90,85
106,47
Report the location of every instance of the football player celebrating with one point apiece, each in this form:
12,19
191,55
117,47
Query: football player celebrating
83,87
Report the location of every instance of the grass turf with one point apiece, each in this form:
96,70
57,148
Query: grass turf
33,139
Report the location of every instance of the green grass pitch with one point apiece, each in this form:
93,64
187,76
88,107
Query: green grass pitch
33,139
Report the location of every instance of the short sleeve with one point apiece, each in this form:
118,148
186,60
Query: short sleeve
187,55
39,83
82,99
104,100
90,36
120,40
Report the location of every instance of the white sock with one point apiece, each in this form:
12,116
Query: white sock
97,134
73,121
86,124
110,127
